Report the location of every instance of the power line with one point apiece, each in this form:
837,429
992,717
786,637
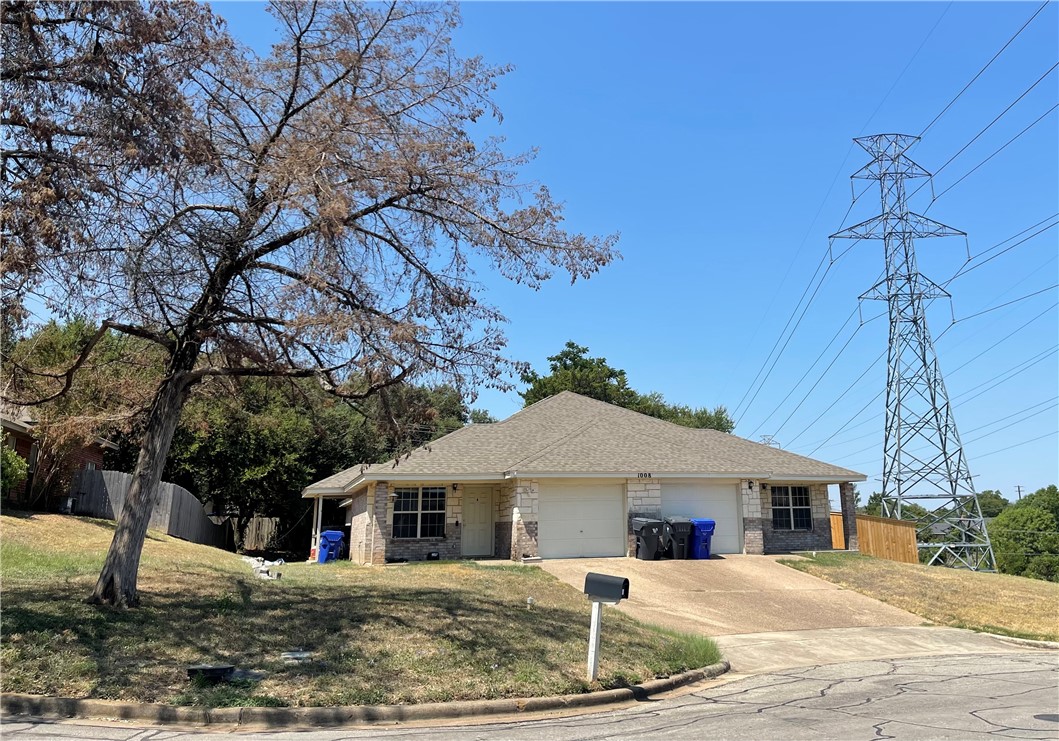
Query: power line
965,270
848,389
1017,370
1012,424
1005,338
1017,445
1013,414
994,154
987,127
987,65
1007,303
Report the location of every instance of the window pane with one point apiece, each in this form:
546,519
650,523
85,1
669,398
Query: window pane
781,519
407,500
803,518
433,499
800,496
781,496
404,525
432,525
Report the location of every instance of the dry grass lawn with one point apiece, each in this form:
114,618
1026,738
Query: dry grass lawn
397,634
994,603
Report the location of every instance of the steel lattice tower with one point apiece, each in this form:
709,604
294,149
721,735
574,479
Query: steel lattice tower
923,458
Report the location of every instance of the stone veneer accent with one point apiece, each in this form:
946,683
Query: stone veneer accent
848,500
643,498
753,527
359,529
524,516
780,541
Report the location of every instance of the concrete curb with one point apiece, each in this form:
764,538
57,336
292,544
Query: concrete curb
41,706
1052,645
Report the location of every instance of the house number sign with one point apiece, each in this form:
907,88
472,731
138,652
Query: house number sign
643,475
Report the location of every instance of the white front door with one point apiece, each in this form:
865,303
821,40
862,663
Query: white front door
478,522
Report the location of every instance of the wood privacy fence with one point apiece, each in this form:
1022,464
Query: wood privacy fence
884,537
176,511
838,536
261,534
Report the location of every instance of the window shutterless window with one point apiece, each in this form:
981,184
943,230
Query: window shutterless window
419,512
791,508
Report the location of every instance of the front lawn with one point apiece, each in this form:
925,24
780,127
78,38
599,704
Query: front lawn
378,635
993,603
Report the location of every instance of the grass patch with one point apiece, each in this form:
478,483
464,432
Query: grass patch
418,632
992,603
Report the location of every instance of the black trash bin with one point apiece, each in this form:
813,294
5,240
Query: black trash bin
677,535
649,538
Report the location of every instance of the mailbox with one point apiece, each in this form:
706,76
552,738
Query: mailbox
604,588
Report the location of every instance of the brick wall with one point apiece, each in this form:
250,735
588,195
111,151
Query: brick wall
780,541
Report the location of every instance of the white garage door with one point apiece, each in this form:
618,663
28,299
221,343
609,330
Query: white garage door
713,500
581,520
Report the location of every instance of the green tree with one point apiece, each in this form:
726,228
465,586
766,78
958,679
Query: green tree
1022,535
13,470
310,212
992,503
573,370
909,510
1046,498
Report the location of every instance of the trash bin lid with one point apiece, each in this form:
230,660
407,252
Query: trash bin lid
704,524
333,535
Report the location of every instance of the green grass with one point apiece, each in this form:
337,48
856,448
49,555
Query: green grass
991,603
420,632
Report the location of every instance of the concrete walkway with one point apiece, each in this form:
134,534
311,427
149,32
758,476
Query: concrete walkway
733,595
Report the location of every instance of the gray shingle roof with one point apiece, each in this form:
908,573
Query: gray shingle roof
573,434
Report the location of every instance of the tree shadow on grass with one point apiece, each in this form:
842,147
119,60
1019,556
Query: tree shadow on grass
370,644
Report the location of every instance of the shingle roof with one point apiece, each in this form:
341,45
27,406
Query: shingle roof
573,434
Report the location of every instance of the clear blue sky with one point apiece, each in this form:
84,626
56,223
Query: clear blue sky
716,138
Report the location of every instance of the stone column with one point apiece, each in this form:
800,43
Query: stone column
524,520
377,511
753,537
849,515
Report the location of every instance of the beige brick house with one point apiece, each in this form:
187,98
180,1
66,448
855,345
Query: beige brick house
563,477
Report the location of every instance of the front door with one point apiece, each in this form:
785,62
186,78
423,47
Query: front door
478,522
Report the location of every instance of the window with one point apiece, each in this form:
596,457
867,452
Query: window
791,509
419,512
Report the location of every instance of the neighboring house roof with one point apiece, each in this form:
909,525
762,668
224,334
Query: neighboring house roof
573,435
16,419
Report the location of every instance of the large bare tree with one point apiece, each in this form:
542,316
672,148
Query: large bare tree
318,212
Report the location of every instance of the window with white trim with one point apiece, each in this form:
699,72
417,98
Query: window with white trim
791,508
419,512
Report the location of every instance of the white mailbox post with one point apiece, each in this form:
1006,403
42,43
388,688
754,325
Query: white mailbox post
602,589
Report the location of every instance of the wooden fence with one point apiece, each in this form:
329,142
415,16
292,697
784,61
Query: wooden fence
176,511
838,535
886,538
261,534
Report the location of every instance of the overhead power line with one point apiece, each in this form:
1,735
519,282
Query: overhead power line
987,65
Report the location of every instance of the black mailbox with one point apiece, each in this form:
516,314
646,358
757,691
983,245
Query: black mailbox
604,588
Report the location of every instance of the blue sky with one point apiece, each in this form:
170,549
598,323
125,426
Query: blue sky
716,138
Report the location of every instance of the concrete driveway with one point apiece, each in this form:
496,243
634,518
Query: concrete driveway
733,595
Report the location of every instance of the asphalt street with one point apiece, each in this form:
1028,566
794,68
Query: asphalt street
980,696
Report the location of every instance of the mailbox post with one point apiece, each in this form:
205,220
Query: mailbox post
602,589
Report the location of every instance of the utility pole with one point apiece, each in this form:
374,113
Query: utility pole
923,458
1018,488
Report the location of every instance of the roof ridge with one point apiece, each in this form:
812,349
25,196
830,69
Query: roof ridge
541,451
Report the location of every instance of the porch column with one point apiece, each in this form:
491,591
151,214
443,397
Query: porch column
318,514
849,515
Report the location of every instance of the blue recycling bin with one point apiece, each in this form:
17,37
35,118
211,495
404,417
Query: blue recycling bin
330,545
701,536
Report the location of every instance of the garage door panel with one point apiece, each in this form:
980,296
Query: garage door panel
712,500
581,520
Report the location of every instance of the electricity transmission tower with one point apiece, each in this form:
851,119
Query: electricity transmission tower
922,455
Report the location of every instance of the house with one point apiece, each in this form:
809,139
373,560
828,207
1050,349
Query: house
563,478
20,433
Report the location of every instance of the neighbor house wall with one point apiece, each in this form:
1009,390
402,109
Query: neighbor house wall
417,549
780,541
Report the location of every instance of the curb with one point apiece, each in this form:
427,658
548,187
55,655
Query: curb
1050,645
42,706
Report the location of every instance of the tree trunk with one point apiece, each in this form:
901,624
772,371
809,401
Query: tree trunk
117,581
